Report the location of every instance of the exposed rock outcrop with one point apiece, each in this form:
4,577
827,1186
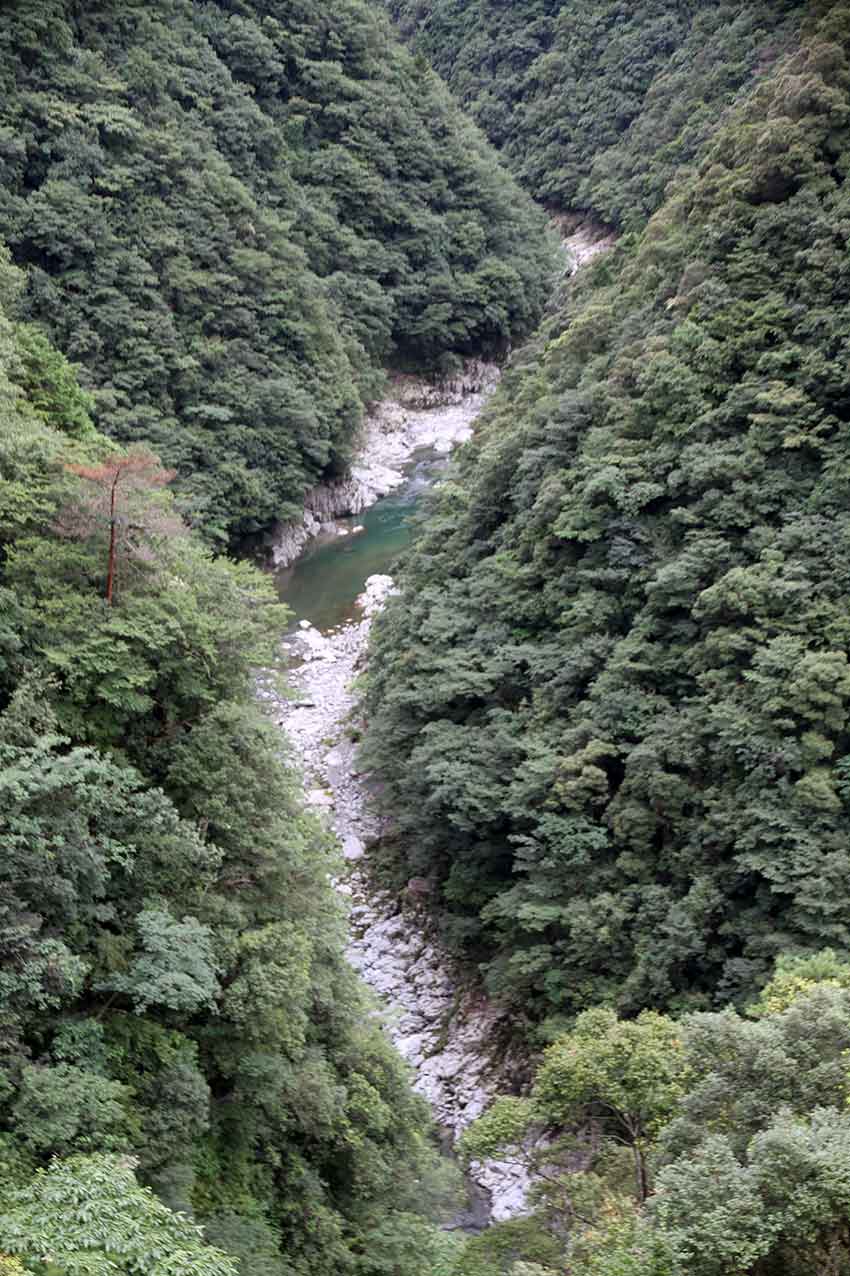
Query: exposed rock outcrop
582,240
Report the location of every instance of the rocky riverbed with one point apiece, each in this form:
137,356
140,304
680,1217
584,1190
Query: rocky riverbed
451,1036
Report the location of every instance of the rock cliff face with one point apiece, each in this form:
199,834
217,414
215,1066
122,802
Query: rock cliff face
398,426
582,241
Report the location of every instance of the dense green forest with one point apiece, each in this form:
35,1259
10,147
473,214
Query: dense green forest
713,1145
617,678
234,214
608,709
230,218
175,1010
596,103
610,705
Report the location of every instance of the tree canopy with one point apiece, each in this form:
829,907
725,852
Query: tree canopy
740,1122
89,1215
610,703
233,215
608,708
173,994
595,104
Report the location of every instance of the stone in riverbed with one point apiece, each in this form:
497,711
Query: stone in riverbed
411,1048
352,847
419,887
377,591
318,797
508,1183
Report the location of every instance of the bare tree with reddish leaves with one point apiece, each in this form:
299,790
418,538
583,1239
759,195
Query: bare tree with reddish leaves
114,483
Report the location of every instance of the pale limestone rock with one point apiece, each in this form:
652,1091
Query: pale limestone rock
352,847
415,415
378,590
447,1036
508,1183
318,797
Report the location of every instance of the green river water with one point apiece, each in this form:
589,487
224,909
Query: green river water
322,585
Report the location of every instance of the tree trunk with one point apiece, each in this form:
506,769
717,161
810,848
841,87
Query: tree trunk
110,573
641,1180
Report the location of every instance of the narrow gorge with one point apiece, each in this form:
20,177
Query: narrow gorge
424,642
459,1045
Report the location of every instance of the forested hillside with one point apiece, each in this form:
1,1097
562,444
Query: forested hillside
233,215
610,706
596,103
612,701
716,1144
172,986
608,713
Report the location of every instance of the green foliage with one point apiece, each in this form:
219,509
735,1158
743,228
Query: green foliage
50,385
172,981
187,634
503,1125
794,1059
610,705
611,1083
231,219
745,1121
626,1246
633,1070
796,977
89,1215
406,1243
175,969
787,1202
530,1269
596,104
509,1247
63,1109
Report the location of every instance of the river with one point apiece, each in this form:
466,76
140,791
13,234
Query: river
453,1039
459,1046
322,585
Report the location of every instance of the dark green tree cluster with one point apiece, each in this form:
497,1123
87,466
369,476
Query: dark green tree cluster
597,103
234,214
737,1124
483,50
611,703
174,1003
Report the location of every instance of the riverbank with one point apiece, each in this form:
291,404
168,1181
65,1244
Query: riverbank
453,1039
324,582
416,414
